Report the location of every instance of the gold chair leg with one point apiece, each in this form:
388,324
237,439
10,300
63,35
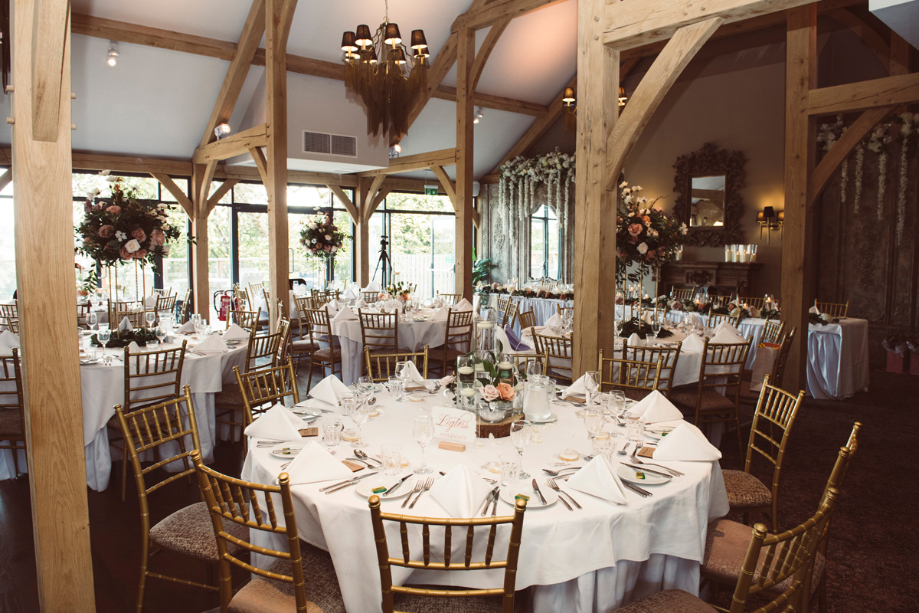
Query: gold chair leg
141,588
15,462
309,380
124,473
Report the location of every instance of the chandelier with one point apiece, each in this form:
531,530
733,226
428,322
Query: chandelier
384,74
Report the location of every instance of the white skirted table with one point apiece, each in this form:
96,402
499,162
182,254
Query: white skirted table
543,308
595,559
103,388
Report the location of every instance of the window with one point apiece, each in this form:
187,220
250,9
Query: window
544,243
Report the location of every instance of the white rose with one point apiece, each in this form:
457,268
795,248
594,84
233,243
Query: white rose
643,248
327,237
132,246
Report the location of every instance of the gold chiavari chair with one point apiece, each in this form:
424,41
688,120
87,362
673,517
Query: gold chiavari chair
457,339
83,311
523,360
715,319
382,366
9,311
722,367
510,314
183,313
635,378
12,408
442,599
185,532
503,301
833,309
749,397
370,297
162,292
247,320
379,331
558,352
450,299
255,289
772,332
264,388
234,504
563,309
302,346
669,358
772,422
242,298
321,333
133,310
165,303
757,303
682,294
527,319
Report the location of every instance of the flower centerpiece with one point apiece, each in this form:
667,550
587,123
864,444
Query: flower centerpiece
124,229
400,291
321,238
497,383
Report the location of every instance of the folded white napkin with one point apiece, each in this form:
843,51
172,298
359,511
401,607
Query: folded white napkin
814,310
235,333
134,347
460,492
314,464
277,423
332,306
373,286
360,303
413,375
635,340
693,344
345,314
392,305
350,294
125,325
655,408
599,479
188,327
10,339
212,344
555,320
686,443
578,387
462,305
440,314
329,390
728,336
5,351
726,325
647,317
150,302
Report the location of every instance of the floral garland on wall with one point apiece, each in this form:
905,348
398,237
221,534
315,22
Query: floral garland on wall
521,177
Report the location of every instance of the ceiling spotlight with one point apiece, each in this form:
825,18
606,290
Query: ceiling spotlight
112,54
395,150
222,130
478,115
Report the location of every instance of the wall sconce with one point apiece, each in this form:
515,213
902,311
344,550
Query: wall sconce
222,130
395,151
571,109
622,97
769,220
112,54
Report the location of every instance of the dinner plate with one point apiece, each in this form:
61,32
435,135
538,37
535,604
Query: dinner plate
551,419
366,486
526,488
288,450
629,474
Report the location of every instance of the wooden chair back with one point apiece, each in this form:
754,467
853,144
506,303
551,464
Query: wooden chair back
833,309
321,329
247,320
669,357
242,298
183,314
379,331
458,335
510,314
382,366
405,560
757,303
266,387
558,352
562,310
283,329
132,309
681,294
83,311
255,289
722,367
625,374
162,292
302,304
716,319
772,332
778,370
503,301
152,377
263,350
527,319
251,505
165,303
370,297
522,361
774,558
10,311
450,299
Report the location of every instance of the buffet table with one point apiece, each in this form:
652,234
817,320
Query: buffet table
595,559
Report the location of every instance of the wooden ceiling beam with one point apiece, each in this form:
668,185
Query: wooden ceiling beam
233,145
489,101
865,32
488,45
346,201
109,29
177,192
444,157
215,198
900,89
486,15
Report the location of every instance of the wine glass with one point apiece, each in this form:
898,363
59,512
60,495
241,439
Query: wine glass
423,431
160,334
520,437
104,336
150,318
360,412
591,384
92,319
200,326
594,422
402,372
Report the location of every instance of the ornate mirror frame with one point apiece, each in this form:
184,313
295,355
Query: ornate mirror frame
710,160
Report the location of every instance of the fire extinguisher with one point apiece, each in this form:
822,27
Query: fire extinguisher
226,302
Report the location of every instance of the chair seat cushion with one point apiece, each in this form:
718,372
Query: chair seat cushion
11,423
267,596
230,396
726,545
189,531
712,401
450,604
303,346
668,601
326,355
746,491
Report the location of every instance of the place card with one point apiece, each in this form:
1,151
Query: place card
311,431
448,446
354,466
646,452
453,425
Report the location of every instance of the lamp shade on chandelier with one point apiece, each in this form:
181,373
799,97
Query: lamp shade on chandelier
384,73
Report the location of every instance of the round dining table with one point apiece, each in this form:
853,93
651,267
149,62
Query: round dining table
597,558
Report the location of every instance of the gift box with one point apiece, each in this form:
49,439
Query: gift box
897,363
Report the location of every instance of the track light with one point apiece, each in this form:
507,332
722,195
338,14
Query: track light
112,54
222,130
478,115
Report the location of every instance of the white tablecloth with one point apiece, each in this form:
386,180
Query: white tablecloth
103,387
595,559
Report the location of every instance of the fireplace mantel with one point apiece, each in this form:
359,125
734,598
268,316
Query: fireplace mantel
728,277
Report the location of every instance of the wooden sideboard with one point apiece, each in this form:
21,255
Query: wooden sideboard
728,277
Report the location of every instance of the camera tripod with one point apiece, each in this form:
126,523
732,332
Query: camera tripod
384,260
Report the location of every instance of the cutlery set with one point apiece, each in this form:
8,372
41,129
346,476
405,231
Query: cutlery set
421,489
490,498
331,489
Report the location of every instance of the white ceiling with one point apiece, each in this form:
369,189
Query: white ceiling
156,102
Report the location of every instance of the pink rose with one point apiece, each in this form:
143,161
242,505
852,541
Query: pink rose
489,393
676,305
140,254
125,254
114,209
106,231
157,237
139,234
635,229
620,253
651,254
506,391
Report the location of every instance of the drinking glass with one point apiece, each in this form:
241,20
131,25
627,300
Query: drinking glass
594,422
635,427
520,437
92,319
397,388
150,318
591,384
200,326
104,336
360,412
331,433
392,458
509,468
160,333
365,383
348,402
619,402
423,431
402,372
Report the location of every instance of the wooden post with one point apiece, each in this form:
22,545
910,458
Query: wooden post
798,279
362,233
201,183
465,56
277,20
44,262
595,206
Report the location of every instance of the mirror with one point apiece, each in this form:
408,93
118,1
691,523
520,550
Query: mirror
707,201
708,182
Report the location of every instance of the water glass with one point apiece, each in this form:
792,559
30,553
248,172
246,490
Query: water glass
150,318
92,319
520,437
635,427
331,433
509,469
423,431
360,413
467,392
160,333
392,459
397,388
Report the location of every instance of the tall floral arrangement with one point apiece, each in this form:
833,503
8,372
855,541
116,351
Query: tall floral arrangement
124,229
644,235
321,238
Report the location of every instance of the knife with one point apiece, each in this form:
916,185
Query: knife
636,489
647,470
541,497
396,486
488,497
332,488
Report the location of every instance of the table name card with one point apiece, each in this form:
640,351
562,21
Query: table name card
453,424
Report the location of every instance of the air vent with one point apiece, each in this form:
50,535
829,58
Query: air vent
329,144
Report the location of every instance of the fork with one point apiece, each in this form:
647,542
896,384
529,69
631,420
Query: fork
418,485
427,486
561,493
557,473
637,460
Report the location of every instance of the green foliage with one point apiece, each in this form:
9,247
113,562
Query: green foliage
481,270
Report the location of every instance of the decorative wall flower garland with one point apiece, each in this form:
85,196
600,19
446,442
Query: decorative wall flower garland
521,177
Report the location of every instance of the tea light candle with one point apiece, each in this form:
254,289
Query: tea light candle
484,325
479,367
465,370
468,392
505,365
